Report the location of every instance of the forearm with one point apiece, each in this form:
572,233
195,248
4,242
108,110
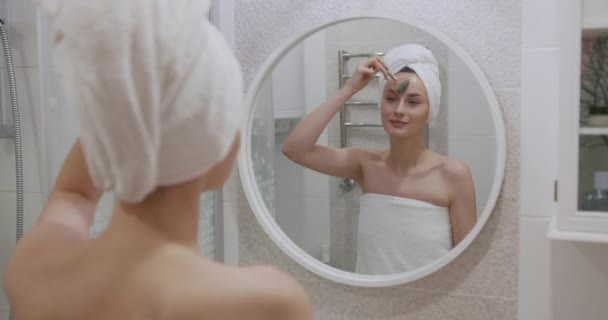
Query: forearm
305,136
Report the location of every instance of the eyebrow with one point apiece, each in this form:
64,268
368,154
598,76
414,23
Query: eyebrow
414,94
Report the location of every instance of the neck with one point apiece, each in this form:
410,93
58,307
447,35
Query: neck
405,153
168,215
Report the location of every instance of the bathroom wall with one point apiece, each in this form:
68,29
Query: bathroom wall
481,283
299,190
20,19
471,133
559,280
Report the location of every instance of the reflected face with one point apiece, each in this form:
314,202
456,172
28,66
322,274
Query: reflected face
404,113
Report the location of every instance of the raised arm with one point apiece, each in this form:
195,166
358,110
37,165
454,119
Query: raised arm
63,224
301,145
69,212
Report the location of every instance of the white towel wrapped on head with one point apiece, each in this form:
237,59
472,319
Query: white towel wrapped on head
422,61
157,89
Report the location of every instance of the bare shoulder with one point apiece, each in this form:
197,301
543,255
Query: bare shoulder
222,292
456,170
367,156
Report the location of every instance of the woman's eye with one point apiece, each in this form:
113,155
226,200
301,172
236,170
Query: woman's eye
391,99
414,102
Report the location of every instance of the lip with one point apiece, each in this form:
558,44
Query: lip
397,123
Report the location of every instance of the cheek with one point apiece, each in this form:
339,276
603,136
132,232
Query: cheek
385,108
422,110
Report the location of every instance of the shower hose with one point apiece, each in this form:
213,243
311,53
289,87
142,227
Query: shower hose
17,133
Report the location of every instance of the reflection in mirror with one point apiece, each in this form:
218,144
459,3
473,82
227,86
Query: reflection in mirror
350,168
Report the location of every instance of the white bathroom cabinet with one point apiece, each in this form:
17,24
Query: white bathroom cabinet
583,148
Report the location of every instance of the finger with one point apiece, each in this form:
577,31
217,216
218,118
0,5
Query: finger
384,64
386,67
372,66
370,63
382,68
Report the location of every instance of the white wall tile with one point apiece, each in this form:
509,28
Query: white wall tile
4,14
540,24
305,220
595,14
474,152
467,103
480,209
30,116
534,262
32,210
23,35
231,233
103,214
4,315
232,186
4,9
539,130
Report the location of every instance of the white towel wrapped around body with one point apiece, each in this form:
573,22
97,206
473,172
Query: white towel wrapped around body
156,88
397,235
423,62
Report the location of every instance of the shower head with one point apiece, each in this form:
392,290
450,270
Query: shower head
1,21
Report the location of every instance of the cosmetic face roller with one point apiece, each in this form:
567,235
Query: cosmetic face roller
403,86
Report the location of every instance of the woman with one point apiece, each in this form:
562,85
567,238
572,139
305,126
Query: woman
158,94
417,204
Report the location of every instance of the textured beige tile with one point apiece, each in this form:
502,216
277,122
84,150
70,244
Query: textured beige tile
331,301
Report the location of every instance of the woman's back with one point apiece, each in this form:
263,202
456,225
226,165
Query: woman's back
140,275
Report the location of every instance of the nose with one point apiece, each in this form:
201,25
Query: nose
400,109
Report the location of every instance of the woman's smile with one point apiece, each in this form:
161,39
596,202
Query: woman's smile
398,123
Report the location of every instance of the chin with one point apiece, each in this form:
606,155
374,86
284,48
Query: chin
400,134
404,133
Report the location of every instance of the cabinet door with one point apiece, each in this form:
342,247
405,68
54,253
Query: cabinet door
583,134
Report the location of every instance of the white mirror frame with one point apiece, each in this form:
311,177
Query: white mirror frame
286,244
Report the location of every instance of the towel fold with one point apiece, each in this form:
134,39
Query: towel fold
156,88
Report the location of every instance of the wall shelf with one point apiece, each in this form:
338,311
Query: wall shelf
593,131
554,233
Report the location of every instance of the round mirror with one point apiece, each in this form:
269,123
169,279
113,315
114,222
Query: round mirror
382,184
